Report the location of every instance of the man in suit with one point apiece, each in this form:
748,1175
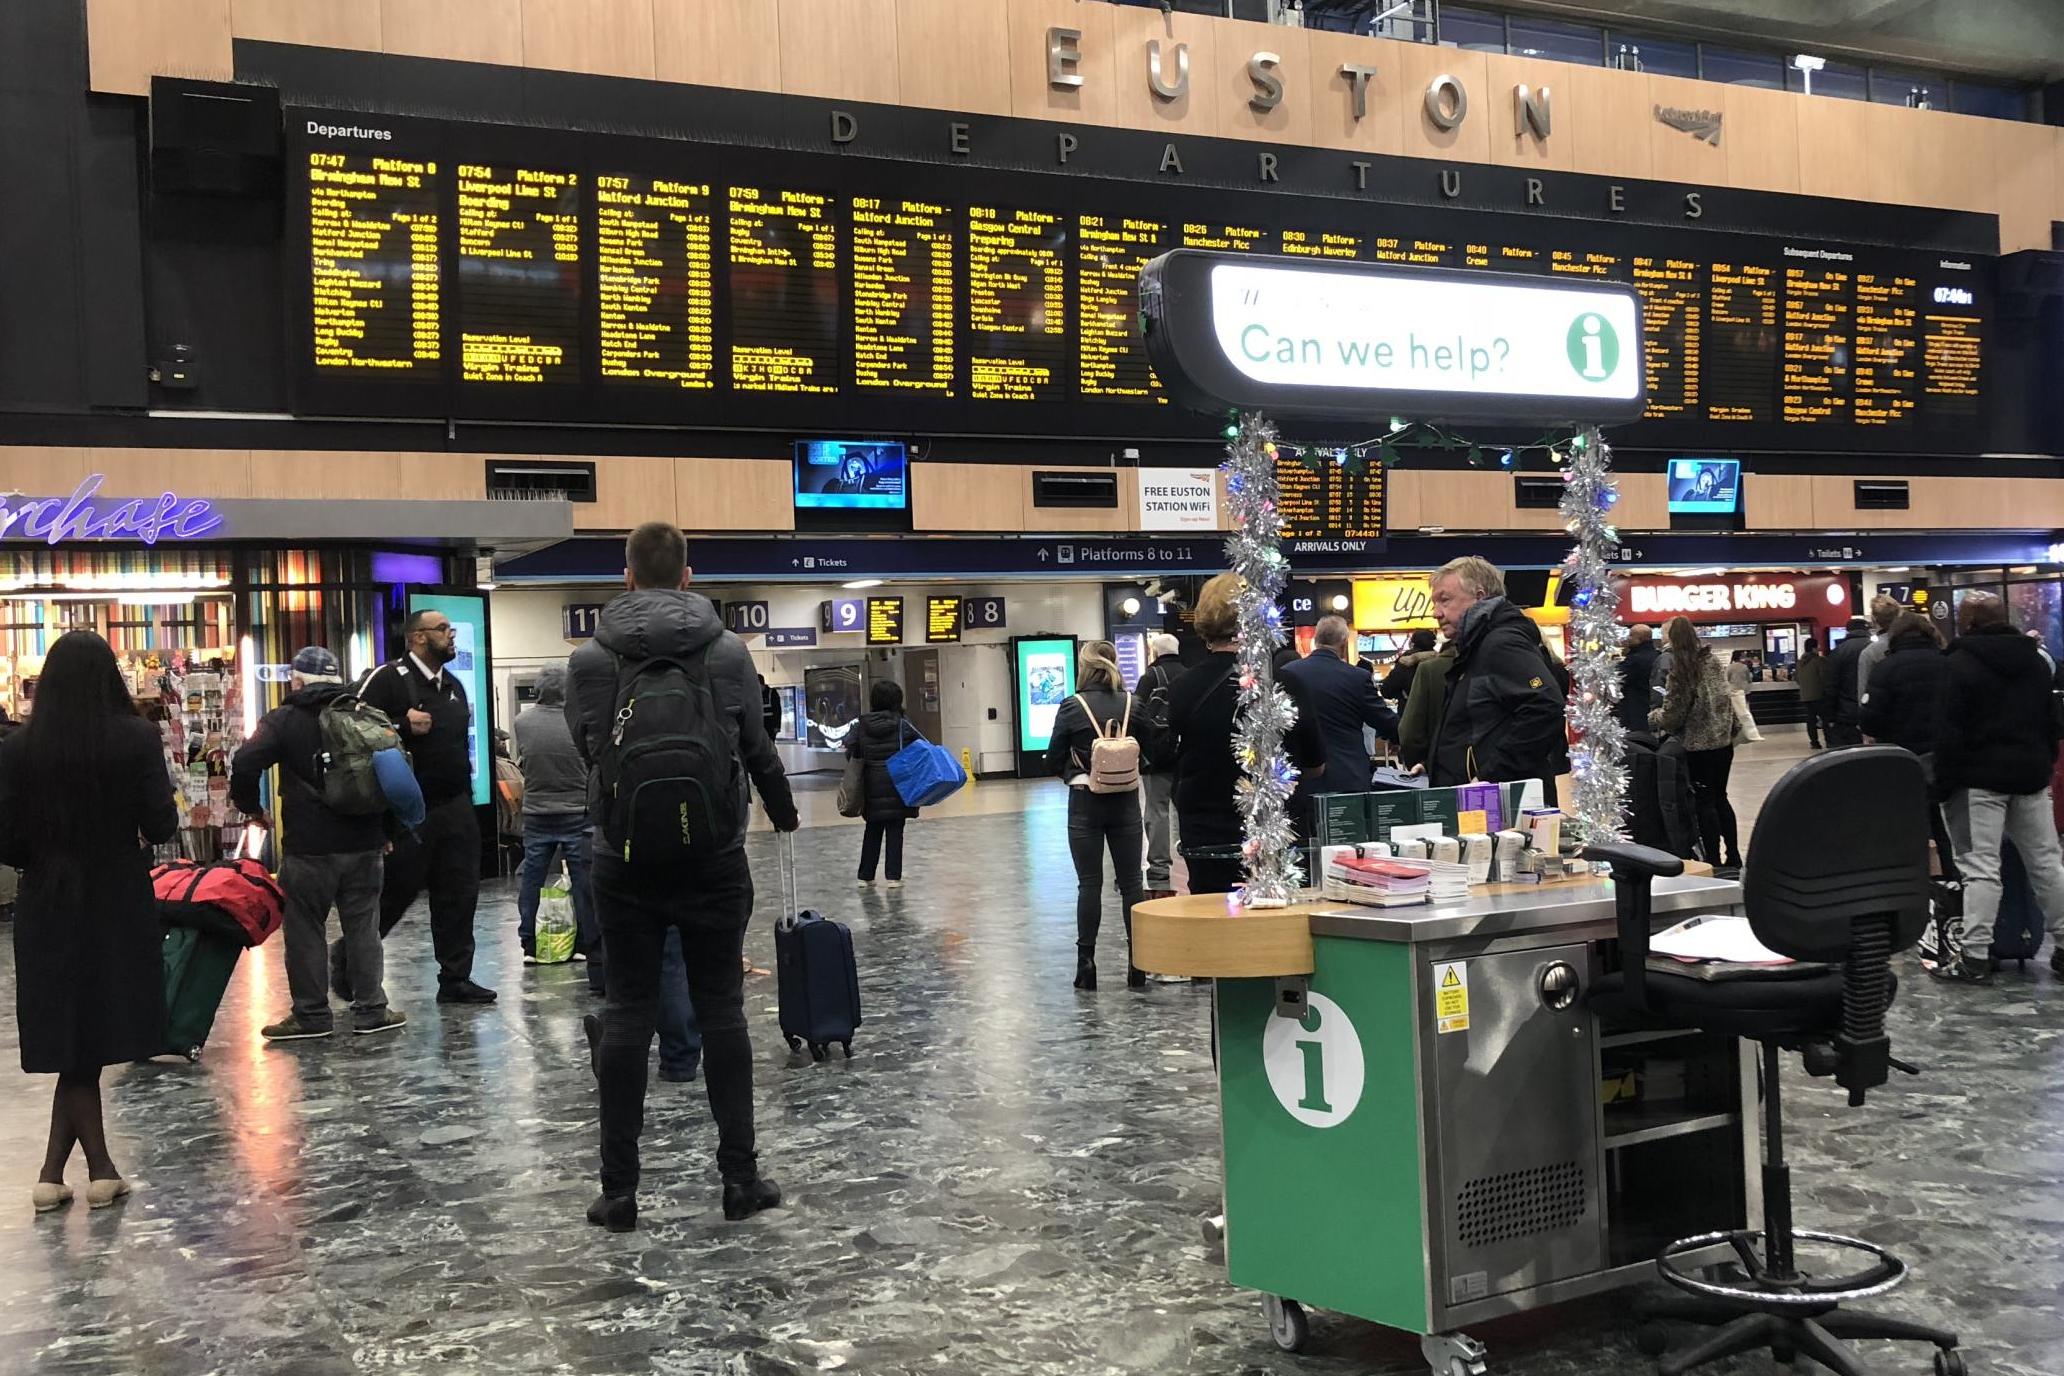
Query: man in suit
1335,700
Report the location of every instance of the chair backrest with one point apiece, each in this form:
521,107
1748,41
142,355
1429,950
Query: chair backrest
1841,843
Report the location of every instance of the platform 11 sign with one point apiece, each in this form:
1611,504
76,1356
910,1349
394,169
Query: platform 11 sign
1359,340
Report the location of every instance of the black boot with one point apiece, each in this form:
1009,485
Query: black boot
744,1199
1135,978
1085,972
616,1212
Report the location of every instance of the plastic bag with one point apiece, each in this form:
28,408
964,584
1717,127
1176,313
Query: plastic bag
555,924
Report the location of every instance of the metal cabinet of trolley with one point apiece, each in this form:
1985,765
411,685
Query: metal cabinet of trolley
1432,1130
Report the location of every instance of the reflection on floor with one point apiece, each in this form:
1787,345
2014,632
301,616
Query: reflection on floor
1006,1178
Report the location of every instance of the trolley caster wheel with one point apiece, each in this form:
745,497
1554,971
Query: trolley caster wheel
1652,1339
1287,1323
192,1054
795,1044
1949,1362
847,1047
818,1051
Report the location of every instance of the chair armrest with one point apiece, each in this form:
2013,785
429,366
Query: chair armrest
1634,869
1629,859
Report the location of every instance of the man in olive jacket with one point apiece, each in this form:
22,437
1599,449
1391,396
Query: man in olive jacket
1503,720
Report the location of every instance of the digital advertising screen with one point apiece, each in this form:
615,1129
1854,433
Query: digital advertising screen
1705,487
1044,668
851,475
467,613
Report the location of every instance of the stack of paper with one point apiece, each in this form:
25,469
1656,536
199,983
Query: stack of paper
1374,881
1447,882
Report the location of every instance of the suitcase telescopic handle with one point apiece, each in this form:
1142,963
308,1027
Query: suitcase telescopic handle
791,891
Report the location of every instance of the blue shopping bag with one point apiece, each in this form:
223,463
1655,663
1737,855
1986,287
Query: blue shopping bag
925,774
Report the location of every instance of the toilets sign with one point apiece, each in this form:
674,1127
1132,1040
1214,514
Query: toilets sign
1357,340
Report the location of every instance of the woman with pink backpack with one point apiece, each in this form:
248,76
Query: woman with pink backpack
1097,748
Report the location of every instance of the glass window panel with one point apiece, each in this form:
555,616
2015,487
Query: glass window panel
1839,80
1663,56
1892,87
1478,30
1557,41
1994,102
1738,68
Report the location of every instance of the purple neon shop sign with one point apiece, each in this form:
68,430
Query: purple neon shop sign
87,516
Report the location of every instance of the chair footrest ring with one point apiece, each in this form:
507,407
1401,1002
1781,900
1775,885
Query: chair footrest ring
1778,1294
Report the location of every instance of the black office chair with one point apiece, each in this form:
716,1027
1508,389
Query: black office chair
1837,879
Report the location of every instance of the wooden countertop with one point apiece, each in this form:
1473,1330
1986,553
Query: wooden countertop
1201,936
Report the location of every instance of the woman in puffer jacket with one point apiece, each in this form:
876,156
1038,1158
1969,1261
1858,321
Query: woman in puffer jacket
1699,712
875,739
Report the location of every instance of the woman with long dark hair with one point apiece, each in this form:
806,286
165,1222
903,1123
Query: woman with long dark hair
83,796
1698,711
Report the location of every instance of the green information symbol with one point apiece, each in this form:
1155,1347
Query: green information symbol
1594,348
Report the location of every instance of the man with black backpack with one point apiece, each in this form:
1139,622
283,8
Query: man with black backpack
334,837
664,704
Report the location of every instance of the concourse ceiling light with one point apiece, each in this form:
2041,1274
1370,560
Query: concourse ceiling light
859,583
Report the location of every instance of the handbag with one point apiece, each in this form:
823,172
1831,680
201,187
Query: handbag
555,924
924,773
852,788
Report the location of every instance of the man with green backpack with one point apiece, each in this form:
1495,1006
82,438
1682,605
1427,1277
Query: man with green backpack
336,792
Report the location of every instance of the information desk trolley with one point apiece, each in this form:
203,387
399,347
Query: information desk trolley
1425,1126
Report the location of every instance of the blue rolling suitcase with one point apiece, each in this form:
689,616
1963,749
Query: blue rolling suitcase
818,980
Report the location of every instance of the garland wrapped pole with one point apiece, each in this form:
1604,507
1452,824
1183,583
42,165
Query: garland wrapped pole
1598,757
1254,551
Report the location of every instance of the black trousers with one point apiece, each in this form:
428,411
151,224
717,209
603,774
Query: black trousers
1215,876
871,848
445,859
1097,821
1841,733
1717,832
1813,720
709,906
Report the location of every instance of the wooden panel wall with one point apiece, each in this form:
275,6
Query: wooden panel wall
990,55
967,496
734,494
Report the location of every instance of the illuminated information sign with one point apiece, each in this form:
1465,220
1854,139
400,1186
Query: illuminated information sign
654,257
1111,253
903,295
884,621
1018,305
374,277
1330,503
942,620
440,268
519,305
783,252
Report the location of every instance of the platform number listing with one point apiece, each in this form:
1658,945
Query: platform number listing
1314,1063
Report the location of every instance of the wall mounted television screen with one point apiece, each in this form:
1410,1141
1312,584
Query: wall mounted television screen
1705,487
851,475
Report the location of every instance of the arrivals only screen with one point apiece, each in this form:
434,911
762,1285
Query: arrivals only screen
472,270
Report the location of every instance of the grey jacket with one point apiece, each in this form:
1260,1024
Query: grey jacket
1873,654
674,623
555,777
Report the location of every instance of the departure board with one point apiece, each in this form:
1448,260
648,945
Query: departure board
884,621
655,255
783,254
1111,253
903,296
1329,502
660,281
375,282
942,620
519,307
1020,342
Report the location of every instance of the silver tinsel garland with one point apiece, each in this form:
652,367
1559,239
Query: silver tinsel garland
1254,551
1598,757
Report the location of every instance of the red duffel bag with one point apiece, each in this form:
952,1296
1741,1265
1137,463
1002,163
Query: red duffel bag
232,898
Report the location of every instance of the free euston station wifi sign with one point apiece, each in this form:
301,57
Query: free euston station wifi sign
1361,340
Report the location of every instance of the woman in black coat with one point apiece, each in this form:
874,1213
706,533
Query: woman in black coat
875,740
1201,707
1905,690
1100,820
83,795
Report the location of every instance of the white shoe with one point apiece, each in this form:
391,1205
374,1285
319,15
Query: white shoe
863,883
895,883
530,960
580,957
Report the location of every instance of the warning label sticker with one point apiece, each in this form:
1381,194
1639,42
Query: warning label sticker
1451,997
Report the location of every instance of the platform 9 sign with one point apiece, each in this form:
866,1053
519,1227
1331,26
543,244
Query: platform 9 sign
845,614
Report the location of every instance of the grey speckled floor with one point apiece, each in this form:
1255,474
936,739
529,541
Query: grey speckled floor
1006,1178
